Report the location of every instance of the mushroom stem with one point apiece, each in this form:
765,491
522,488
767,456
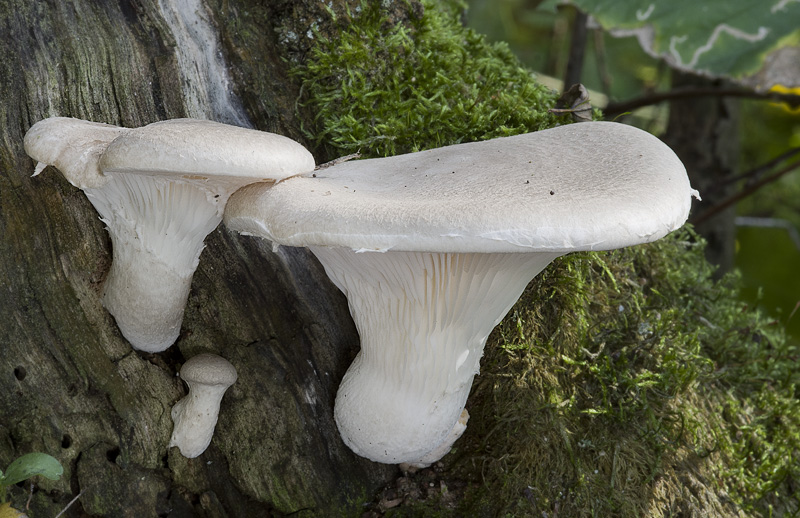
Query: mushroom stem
440,451
195,416
146,298
157,227
423,319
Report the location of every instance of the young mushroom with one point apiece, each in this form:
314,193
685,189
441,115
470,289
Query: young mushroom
195,416
160,190
433,248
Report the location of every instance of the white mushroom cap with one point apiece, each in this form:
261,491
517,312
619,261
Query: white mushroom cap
589,186
204,148
195,416
160,190
462,229
73,146
209,369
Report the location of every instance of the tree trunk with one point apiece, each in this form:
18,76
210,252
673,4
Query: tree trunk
703,132
70,385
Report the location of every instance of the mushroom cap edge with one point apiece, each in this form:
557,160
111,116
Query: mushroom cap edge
209,369
73,146
588,186
203,148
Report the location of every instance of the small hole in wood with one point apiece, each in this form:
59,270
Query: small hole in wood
112,455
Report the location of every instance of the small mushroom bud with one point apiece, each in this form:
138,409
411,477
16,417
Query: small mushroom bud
195,416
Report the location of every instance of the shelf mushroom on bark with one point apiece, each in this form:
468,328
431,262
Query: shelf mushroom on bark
433,248
160,190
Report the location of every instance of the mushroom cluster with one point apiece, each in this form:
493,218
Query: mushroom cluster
160,190
433,248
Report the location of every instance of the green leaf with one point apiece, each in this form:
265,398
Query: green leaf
30,465
724,38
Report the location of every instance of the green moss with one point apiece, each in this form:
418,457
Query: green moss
382,90
629,383
626,383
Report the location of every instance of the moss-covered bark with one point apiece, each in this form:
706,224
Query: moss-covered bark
628,384
70,385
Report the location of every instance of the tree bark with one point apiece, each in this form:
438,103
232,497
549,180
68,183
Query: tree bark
703,132
70,385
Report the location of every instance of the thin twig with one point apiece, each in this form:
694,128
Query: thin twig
338,161
69,504
754,174
747,191
796,307
689,92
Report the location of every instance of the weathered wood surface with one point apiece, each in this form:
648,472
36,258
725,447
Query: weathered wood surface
70,385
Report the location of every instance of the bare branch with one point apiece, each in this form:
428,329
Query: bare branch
745,192
792,100
753,175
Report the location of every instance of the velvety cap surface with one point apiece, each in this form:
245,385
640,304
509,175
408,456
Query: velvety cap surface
209,369
587,186
206,148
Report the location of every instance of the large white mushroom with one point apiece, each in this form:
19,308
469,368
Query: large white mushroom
160,190
433,248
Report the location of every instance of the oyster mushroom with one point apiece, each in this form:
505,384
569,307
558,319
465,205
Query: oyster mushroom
433,248
160,190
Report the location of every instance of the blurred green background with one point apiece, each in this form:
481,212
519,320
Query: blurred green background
617,69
